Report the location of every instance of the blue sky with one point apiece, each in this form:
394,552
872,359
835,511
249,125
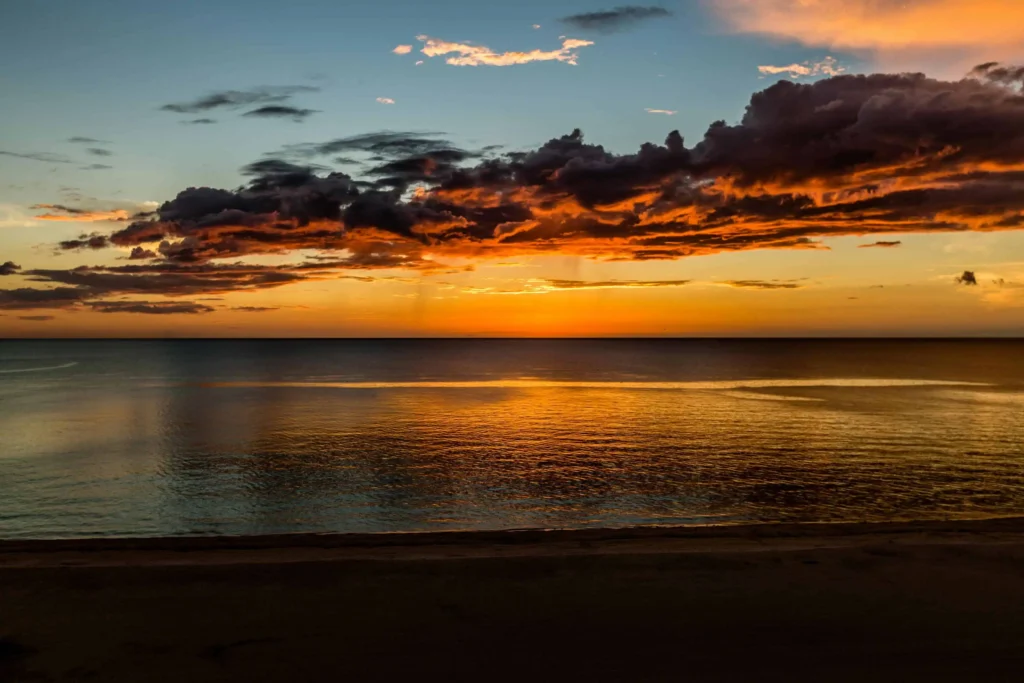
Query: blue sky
102,69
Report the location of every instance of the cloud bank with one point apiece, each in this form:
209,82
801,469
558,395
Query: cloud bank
873,156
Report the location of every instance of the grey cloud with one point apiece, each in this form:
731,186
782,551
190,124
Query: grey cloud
277,111
45,157
616,19
150,307
233,99
9,268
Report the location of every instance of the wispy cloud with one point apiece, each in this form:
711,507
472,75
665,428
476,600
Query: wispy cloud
762,284
35,318
195,122
150,307
96,167
233,99
385,100
881,244
99,152
536,26
279,111
666,112
87,141
402,49
480,55
544,286
45,157
59,212
616,19
828,66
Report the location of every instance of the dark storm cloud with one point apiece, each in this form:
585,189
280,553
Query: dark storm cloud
35,318
882,244
278,111
150,307
966,278
615,19
233,99
9,268
46,157
195,122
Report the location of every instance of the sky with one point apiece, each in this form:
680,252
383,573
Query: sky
561,168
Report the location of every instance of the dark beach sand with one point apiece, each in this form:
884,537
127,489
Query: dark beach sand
879,602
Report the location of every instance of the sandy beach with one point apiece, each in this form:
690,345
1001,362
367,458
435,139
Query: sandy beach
852,602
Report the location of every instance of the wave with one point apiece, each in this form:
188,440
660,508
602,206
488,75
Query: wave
611,384
49,367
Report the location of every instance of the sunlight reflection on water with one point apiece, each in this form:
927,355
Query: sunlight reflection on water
169,438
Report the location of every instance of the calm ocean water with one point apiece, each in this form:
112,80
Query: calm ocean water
126,438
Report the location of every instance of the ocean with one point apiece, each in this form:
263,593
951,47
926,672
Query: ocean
229,437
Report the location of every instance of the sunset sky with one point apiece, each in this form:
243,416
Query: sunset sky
558,168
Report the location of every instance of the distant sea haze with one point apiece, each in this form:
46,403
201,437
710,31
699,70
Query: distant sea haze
166,438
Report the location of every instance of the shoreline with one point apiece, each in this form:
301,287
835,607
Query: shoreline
513,543
896,601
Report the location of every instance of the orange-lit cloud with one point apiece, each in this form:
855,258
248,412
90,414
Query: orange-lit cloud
978,29
876,156
385,100
826,67
402,49
479,55
72,215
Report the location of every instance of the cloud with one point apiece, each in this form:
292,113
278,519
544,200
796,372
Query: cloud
380,145
35,318
666,112
762,284
882,244
890,31
967,278
536,26
826,67
234,99
99,152
278,111
87,141
419,62
479,55
45,157
150,307
254,309
613,284
93,241
385,100
198,122
96,167
27,298
877,156
402,49
615,19
60,212
9,268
